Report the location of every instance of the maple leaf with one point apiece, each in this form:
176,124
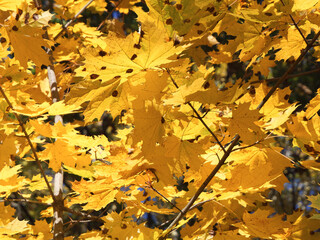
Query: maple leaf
127,56
244,122
27,43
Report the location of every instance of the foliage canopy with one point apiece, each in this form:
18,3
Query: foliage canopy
178,122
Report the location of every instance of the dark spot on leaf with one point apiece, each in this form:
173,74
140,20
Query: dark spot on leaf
179,6
215,14
105,231
268,14
85,69
186,20
103,68
210,9
311,232
15,28
318,142
162,120
114,93
199,32
169,21
197,24
102,53
91,193
142,33
130,70
137,46
305,119
252,90
94,76
206,85
134,56
9,78
3,40
123,226
286,97
117,77
167,2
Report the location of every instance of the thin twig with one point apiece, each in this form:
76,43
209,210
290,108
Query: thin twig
72,20
25,200
285,76
204,184
198,115
29,142
296,25
109,13
81,214
213,200
173,205
289,76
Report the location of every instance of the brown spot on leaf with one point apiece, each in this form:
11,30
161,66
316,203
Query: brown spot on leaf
199,32
286,97
15,28
94,76
134,56
252,91
197,24
123,226
130,70
187,20
117,77
179,6
210,9
206,85
83,70
169,21
102,53
114,93
162,120
103,68
3,40
268,14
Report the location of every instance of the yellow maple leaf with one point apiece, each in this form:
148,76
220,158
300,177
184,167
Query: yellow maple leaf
244,122
27,43
127,56
290,45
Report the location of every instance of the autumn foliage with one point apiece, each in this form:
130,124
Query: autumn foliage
177,124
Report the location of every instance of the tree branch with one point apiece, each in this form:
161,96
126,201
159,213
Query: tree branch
71,21
29,142
198,115
205,183
289,76
293,66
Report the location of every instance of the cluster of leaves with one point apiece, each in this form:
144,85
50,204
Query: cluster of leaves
160,83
